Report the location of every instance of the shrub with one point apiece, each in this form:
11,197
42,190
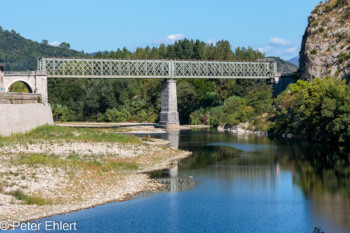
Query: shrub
320,109
341,36
63,114
346,15
236,110
343,57
216,117
196,117
261,99
313,52
30,199
113,115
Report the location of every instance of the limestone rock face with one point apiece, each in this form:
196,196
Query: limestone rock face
325,49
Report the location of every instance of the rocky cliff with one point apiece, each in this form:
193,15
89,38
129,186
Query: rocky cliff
326,43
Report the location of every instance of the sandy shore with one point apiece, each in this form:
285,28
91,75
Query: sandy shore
89,180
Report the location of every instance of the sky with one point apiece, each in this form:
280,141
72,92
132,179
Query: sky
275,27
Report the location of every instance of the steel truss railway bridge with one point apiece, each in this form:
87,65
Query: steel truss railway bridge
36,81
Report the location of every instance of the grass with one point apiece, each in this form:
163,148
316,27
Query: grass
113,165
105,165
52,133
47,160
30,199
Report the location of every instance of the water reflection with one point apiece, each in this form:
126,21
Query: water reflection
322,172
237,184
173,136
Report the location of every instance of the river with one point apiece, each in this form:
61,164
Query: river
235,184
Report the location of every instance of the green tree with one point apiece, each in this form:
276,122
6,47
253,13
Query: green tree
186,99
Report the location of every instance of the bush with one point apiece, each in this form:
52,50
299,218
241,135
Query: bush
113,115
196,117
342,57
63,114
236,110
313,52
261,99
216,117
320,110
137,110
30,200
210,99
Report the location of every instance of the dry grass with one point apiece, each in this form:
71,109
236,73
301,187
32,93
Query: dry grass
50,133
73,163
30,199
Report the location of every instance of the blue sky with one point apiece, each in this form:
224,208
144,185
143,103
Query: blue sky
273,26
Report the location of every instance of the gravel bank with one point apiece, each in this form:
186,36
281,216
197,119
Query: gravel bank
100,173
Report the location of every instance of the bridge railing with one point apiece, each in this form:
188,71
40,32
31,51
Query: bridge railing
19,72
114,68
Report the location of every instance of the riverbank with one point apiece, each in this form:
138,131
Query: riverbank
243,129
53,170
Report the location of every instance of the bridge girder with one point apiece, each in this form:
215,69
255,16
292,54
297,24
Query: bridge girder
117,68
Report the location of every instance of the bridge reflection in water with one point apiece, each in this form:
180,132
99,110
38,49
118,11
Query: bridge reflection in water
172,184
170,177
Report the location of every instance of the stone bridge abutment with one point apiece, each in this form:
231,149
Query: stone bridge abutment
36,82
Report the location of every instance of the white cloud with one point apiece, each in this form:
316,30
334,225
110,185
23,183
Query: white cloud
281,47
279,41
54,43
170,39
211,41
294,49
265,49
175,37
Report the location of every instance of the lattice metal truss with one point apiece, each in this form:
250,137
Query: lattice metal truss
112,68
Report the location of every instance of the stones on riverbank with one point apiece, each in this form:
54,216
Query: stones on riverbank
71,186
80,148
241,129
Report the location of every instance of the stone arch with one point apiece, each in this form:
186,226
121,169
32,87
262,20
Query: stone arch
30,89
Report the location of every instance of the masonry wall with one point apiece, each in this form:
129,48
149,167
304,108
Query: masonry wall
15,118
19,98
282,83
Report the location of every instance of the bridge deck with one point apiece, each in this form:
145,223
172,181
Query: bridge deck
114,68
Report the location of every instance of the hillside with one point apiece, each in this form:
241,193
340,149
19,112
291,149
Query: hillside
19,53
285,67
294,61
326,43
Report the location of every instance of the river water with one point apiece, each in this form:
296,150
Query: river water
235,184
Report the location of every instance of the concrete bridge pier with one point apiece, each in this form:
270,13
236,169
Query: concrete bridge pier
169,116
